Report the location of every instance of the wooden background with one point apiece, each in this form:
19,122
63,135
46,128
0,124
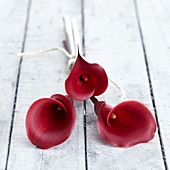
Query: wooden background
129,38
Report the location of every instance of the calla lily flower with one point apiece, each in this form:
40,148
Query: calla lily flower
50,121
127,124
86,80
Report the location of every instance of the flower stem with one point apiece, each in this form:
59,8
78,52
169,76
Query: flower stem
93,99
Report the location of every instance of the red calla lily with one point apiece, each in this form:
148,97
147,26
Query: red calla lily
86,80
50,121
127,124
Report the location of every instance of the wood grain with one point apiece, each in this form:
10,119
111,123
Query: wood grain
156,26
12,23
42,76
112,39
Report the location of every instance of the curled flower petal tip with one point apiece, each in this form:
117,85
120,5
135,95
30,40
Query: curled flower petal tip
50,121
86,80
127,124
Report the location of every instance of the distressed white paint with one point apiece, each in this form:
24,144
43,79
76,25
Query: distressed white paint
156,32
112,39
42,76
12,22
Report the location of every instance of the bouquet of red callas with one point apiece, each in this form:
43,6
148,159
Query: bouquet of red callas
50,121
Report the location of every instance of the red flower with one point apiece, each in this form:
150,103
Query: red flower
50,121
86,80
127,124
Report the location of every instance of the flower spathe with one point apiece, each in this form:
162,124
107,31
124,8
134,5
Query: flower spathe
86,80
50,121
127,124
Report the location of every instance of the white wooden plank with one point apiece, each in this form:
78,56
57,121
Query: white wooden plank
156,26
12,23
112,39
165,5
42,76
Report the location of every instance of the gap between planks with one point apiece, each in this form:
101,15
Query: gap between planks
17,82
84,103
150,83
